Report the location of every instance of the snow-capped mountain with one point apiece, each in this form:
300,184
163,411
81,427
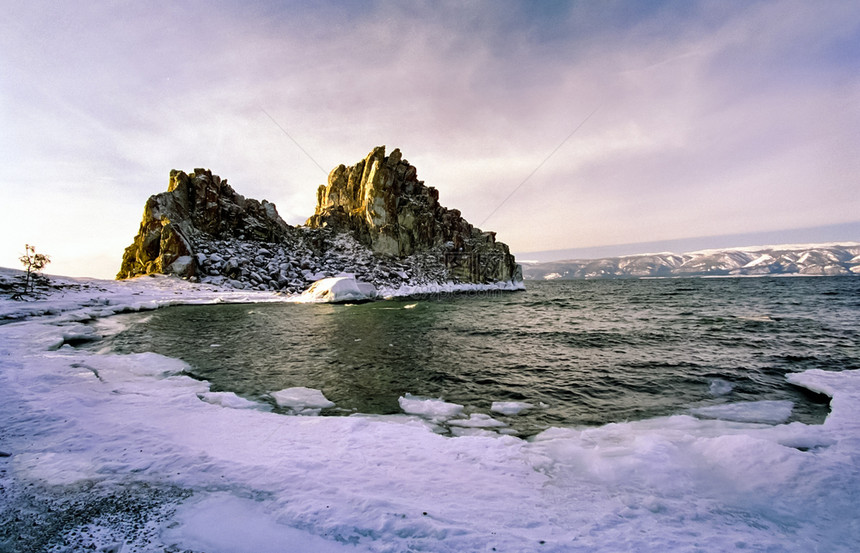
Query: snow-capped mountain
790,259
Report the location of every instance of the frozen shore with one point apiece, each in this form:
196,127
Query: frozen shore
124,453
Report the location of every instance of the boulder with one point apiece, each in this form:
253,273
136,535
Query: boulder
338,290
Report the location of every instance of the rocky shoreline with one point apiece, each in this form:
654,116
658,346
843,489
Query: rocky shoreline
251,265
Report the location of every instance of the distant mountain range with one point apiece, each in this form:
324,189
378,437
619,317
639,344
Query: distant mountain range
790,259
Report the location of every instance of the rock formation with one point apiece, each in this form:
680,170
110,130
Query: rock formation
195,205
382,202
375,221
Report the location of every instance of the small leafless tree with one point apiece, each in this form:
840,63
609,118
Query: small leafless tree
34,263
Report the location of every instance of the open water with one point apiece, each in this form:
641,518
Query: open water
582,352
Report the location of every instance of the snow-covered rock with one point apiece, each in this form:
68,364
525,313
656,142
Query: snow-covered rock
338,290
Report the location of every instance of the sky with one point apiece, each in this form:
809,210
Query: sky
558,125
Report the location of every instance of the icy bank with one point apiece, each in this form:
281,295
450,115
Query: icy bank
203,472
429,289
345,289
768,412
82,299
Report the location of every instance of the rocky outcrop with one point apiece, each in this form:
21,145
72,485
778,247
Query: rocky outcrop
382,202
197,205
374,221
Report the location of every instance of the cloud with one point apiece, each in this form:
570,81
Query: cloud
713,118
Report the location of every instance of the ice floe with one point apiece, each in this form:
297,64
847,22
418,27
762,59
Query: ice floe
510,407
301,400
766,411
478,420
232,401
720,387
428,407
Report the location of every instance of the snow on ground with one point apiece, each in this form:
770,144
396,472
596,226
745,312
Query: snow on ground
787,247
762,259
125,453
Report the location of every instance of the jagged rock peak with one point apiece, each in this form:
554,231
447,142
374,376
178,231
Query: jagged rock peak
196,204
382,202
216,209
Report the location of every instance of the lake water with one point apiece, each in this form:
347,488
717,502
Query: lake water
581,352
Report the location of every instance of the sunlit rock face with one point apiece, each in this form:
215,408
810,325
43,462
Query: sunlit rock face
382,202
374,221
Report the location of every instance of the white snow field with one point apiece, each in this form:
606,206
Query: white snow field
81,432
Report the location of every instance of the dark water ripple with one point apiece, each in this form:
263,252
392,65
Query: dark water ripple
591,351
